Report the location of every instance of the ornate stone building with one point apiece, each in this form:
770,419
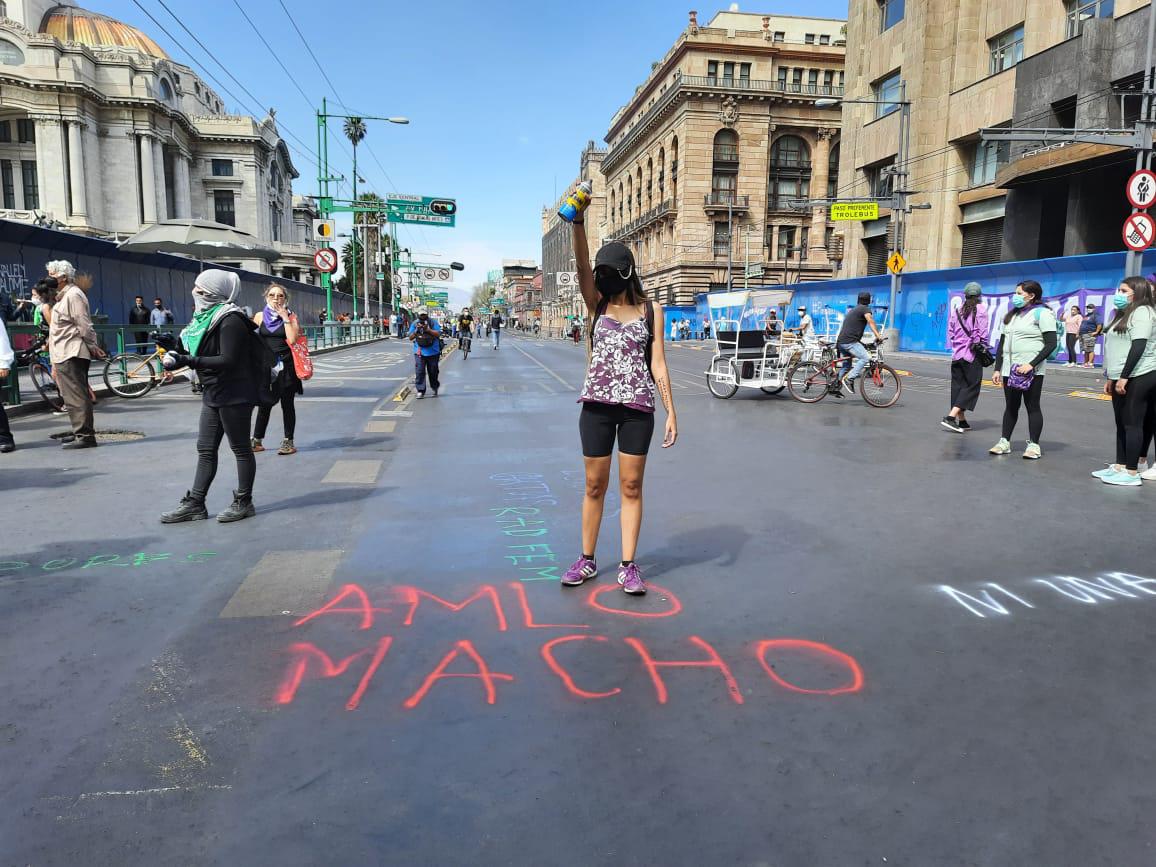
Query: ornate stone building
706,158
102,133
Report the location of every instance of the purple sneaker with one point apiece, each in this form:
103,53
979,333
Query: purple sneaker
631,580
583,570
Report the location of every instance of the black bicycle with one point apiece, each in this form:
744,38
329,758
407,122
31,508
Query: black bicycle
35,357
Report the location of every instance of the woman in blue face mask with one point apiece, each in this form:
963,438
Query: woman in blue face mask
1029,336
1130,370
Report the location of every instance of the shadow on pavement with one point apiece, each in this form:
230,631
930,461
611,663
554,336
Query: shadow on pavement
43,477
345,442
719,545
331,497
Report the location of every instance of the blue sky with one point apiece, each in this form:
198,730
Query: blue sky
502,96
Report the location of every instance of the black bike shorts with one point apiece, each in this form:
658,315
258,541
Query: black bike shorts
600,423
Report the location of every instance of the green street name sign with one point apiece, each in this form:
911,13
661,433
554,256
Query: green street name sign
422,210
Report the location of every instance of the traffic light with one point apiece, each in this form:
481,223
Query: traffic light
443,207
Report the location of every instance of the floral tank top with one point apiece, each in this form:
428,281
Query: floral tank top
618,373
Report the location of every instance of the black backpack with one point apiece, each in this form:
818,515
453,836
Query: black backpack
262,360
647,314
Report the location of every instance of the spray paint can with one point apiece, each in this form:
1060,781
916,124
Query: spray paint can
577,202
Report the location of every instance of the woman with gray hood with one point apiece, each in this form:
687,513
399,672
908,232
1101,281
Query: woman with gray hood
219,345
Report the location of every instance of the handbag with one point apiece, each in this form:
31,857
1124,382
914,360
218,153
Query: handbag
302,362
979,349
1021,381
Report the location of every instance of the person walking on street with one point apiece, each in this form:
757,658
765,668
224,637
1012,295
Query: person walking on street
7,361
1090,328
279,329
72,344
138,314
1072,322
219,343
1028,338
496,323
627,365
1130,371
967,328
427,350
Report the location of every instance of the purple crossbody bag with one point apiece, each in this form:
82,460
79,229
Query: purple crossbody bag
1022,381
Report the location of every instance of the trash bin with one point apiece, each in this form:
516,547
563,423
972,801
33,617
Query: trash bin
10,388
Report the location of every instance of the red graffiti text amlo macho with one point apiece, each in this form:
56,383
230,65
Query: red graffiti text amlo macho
561,654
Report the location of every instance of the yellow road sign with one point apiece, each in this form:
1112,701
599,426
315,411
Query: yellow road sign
896,263
855,211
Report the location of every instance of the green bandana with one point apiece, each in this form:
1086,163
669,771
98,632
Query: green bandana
194,332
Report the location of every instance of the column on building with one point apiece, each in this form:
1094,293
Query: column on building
50,168
148,178
159,170
76,172
820,171
183,193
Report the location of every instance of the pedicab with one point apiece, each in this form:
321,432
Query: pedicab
745,356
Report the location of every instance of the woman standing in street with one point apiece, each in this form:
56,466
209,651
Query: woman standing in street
1130,369
1029,336
1072,322
219,345
966,328
627,364
278,328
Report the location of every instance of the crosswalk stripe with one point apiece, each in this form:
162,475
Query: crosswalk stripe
346,472
284,582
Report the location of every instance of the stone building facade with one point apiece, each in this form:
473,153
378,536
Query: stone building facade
561,300
102,133
708,156
977,64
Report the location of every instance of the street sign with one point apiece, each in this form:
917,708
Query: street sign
1139,230
399,281
566,278
436,274
326,260
754,271
1141,189
896,263
380,275
323,230
441,297
424,210
854,211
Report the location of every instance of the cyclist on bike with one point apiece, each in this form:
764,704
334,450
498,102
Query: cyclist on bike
850,339
465,327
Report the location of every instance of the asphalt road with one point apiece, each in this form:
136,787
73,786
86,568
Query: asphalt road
914,653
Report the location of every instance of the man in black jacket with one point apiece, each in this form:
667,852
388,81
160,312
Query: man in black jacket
139,315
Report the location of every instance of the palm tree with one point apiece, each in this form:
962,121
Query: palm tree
354,131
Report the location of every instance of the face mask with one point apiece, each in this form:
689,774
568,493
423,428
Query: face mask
610,283
1018,301
1120,301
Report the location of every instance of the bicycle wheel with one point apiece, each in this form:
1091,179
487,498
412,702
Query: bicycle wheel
880,386
466,349
130,375
807,382
723,378
46,385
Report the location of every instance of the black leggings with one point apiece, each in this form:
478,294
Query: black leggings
1011,411
1072,340
288,415
1135,419
216,423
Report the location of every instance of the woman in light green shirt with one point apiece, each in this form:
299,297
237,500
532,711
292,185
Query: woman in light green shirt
1029,336
1130,370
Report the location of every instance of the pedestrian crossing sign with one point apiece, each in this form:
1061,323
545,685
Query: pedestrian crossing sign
896,263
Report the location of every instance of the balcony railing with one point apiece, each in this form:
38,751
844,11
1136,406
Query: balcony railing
790,162
665,209
699,82
726,154
726,199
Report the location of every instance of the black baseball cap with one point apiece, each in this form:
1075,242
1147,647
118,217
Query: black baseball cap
615,255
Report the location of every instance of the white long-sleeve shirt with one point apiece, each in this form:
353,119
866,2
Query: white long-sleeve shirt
7,356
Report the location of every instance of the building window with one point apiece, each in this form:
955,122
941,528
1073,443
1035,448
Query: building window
809,39
881,180
5,132
986,160
804,241
797,80
812,81
786,242
3,9
825,39
833,172
886,93
745,74
721,239
166,91
222,168
828,238
26,131
782,78
790,173
780,36
890,13
712,70
224,207
1080,11
725,175
31,187
10,53
729,73
1007,49
8,182
828,80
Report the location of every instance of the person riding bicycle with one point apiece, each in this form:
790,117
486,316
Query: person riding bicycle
465,326
850,339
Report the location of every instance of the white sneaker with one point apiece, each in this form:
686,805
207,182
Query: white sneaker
1003,447
1149,475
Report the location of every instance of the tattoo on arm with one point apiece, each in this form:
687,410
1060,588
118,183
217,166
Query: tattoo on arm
664,391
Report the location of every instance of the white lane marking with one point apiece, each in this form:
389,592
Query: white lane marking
284,582
345,472
545,368
337,400
359,378
380,427
87,796
393,413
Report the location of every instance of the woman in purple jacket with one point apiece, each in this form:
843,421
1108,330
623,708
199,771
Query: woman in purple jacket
966,327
